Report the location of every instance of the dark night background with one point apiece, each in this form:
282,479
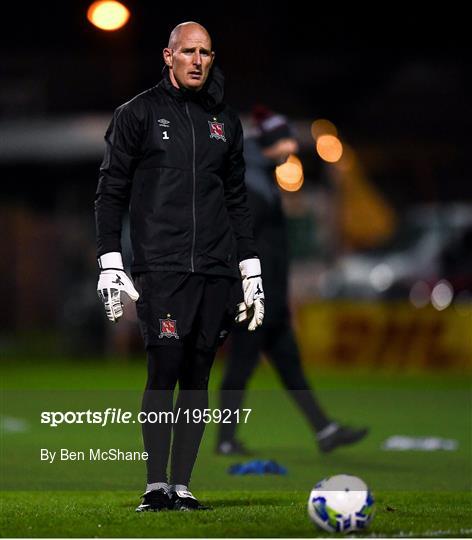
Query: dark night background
388,75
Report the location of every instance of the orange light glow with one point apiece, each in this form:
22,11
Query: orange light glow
292,158
289,175
323,127
108,15
329,148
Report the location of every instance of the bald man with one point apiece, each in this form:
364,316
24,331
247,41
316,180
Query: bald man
174,156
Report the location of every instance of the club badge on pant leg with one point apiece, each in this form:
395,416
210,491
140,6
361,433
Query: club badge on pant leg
168,328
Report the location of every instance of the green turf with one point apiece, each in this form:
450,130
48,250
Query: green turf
234,514
428,492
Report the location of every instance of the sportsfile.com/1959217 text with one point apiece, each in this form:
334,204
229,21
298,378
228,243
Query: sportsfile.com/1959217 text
113,415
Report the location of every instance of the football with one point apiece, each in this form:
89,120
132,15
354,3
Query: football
341,503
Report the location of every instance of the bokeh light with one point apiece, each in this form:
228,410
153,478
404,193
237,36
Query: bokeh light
292,158
323,127
442,295
289,175
381,277
108,15
329,148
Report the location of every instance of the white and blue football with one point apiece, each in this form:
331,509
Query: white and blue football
341,504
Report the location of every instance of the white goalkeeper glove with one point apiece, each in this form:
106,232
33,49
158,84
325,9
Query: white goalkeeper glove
253,306
112,282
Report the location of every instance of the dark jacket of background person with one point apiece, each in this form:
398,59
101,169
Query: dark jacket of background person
176,158
270,231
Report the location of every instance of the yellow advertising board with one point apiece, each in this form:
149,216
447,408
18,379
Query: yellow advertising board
385,334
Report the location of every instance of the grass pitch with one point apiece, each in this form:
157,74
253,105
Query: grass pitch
417,493
235,514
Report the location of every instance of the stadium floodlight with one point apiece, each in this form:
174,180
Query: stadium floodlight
108,15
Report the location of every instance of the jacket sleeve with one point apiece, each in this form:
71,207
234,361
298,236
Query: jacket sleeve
116,173
236,198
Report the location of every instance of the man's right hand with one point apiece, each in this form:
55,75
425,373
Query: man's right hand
111,283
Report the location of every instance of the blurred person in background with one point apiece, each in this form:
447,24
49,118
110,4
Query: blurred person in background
174,155
272,143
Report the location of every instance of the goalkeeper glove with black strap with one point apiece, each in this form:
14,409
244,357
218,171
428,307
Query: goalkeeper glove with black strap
252,308
112,282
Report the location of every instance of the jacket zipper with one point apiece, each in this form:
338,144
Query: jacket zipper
192,266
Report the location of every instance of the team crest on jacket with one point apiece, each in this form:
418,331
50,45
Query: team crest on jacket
168,328
217,130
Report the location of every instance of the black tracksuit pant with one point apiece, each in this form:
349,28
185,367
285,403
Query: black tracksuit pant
278,343
181,317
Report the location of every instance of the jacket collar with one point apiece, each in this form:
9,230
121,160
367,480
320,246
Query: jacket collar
210,96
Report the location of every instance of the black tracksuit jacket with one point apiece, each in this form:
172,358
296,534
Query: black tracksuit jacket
175,157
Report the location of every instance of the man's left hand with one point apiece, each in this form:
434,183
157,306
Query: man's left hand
253,306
